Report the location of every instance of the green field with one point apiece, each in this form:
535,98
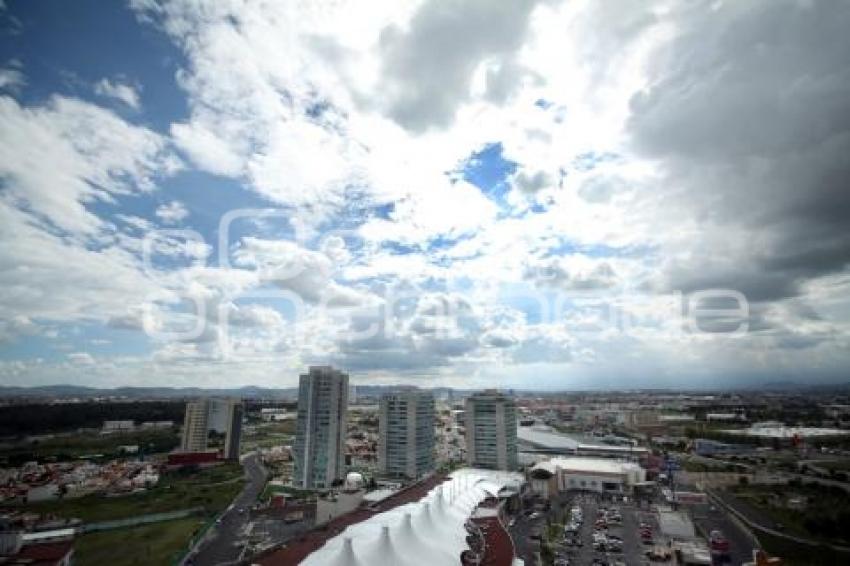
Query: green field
212,489
795,554
290,492
147,545
837,465
68,447
824,518
267,435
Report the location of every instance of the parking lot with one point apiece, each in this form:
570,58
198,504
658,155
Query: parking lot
594,530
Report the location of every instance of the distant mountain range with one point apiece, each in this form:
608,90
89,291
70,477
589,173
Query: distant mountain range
254,392
248,392
72,391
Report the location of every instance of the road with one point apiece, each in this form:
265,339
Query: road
520,532
225,541
710,517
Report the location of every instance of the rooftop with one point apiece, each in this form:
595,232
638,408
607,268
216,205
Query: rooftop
589,465
546,438
46,554
423,525
770,431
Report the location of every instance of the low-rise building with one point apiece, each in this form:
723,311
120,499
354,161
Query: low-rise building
591,474
708,447
118,426
35,549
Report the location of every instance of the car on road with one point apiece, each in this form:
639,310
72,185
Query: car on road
718,543
659,554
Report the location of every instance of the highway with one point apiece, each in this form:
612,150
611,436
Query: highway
225,541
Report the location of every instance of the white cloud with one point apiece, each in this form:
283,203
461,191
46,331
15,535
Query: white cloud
81,358
657,147
122,92
12,79
172,213
93,155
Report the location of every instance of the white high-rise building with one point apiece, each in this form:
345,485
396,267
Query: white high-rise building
491,431
220,416
195,428
406,434
320,432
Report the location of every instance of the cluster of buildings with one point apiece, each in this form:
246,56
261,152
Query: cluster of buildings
35,482
425,513
407,418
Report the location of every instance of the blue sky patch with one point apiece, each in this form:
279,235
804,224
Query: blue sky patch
488,170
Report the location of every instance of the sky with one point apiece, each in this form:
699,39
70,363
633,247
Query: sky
532,194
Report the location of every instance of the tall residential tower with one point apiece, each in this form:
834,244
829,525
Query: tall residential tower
321,428
491,431
213,423
406,434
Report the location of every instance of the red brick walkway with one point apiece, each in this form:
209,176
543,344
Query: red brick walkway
301,548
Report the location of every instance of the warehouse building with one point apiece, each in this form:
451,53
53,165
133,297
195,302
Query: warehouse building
590,474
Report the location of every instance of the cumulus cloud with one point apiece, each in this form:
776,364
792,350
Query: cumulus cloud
571,274
94,155
81,358
657,147
429,66
533,182
290,267
119,91
172,213
12,78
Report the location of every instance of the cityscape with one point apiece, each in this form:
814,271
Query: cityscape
335,473
424,282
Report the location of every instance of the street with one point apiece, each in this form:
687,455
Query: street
225,541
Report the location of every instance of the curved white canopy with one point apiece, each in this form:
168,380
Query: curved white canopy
429,532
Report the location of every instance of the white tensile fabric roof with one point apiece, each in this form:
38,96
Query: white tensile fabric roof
429,532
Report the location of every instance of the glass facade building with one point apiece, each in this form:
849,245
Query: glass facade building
320,432
406,434
491,431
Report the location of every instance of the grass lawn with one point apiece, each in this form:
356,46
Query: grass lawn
837,465
795,554
824,517
158,543
271,490
67,447
213,488
268,435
